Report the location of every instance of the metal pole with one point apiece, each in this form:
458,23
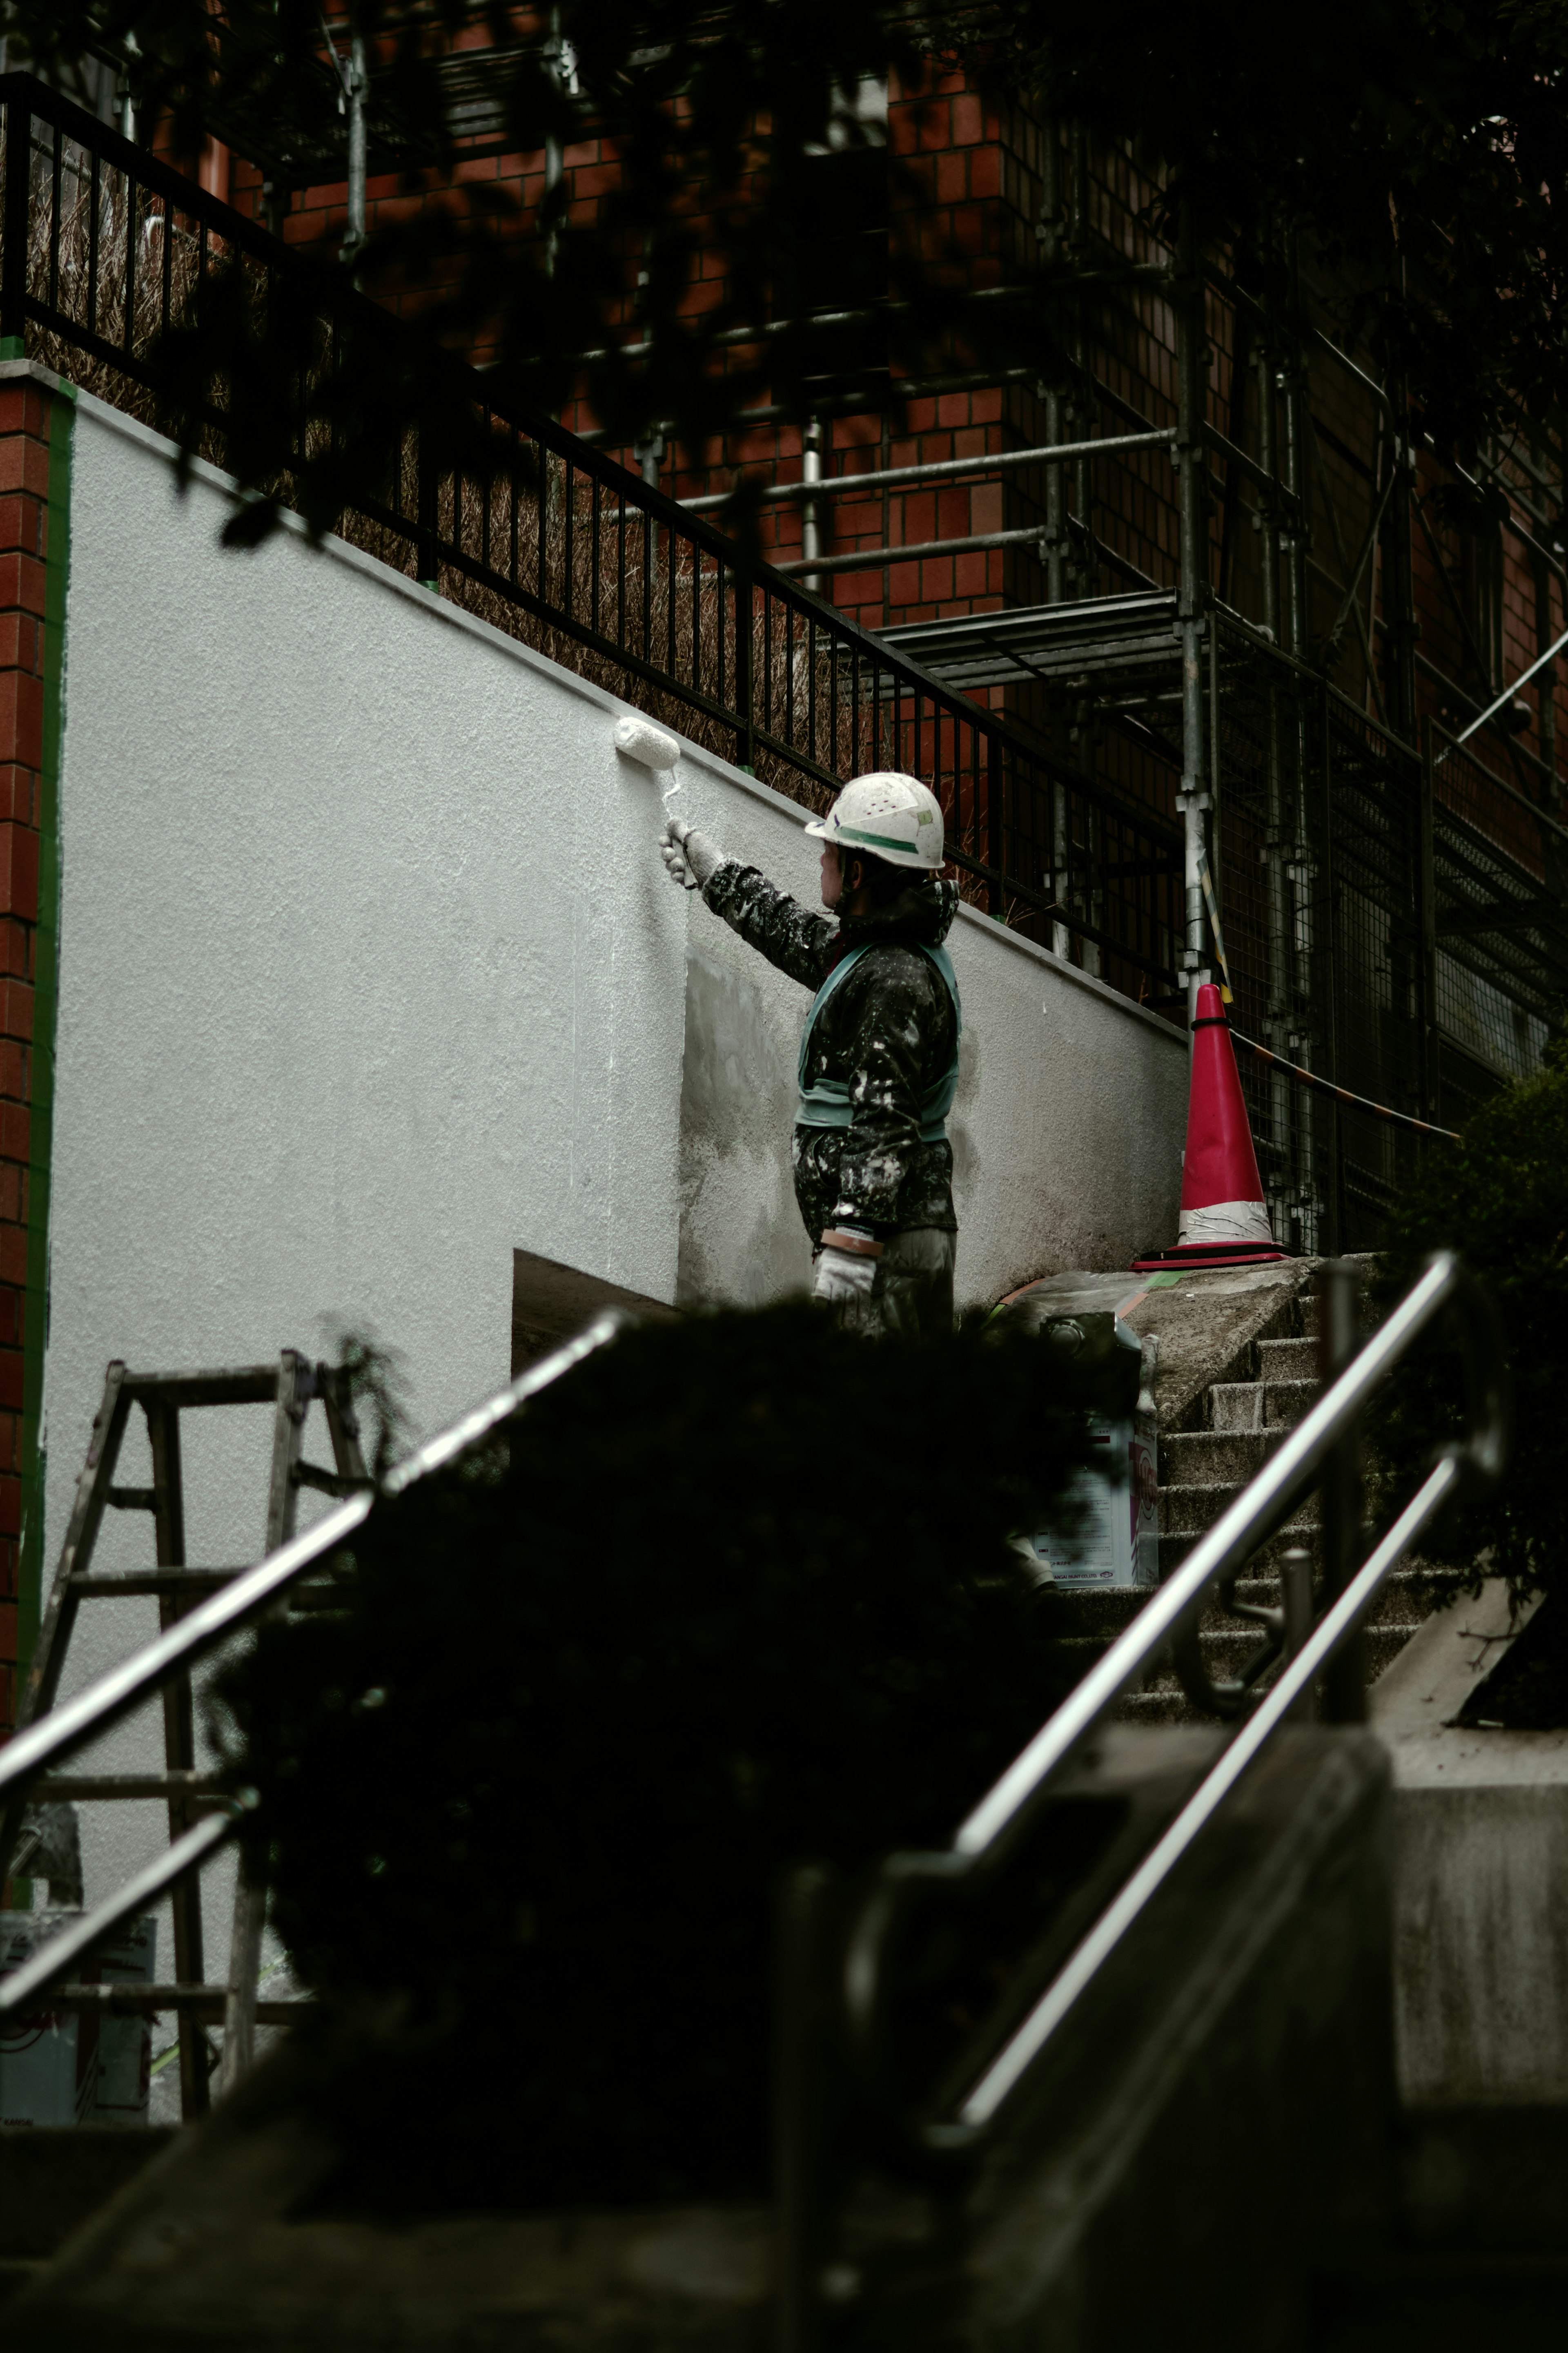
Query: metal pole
561,66
1297,537
1192,800
1401,626
807,2076
1429,1064
1050,233
650,453
1276,1023
1547,654
1344,1683
944,470
1296,1605
1080,411
428,572
1333,1243
811,512
14,272
356,83
745,741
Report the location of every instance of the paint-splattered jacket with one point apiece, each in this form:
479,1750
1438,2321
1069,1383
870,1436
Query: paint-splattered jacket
887,1033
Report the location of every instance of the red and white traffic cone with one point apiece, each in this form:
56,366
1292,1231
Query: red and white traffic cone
1224,1220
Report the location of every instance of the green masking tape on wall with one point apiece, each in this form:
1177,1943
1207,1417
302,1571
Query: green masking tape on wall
46,1000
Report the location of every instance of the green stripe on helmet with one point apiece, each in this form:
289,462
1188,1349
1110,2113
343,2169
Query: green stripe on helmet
872,841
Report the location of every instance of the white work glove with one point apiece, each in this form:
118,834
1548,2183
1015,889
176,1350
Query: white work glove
688,855
842,1275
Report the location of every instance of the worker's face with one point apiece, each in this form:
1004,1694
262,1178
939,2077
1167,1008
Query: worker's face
832,877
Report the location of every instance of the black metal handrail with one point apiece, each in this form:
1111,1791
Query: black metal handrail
583,558
986,1842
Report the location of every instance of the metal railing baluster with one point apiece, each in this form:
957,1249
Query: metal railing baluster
13,262
94,201
515,480
594,554
133,241
487,492
168,288
54,219
569,521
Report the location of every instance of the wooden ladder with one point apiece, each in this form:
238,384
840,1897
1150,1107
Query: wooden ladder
291,1385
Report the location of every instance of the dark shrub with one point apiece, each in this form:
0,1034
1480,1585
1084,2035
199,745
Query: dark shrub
733,1593
1500,1199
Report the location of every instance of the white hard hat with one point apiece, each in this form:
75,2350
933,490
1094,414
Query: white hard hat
892,816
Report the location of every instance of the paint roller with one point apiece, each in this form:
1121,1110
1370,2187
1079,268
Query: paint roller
641,741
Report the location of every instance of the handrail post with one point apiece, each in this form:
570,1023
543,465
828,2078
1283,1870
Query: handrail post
1296,1609
14,264
1344,1684
808,1939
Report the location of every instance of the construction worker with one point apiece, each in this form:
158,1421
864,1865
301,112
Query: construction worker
879,1056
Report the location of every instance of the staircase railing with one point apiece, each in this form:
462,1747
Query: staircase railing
104,249
1321,1447
43,1746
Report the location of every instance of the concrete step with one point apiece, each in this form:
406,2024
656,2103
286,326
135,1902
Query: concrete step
1285,1403
1258,1405
1235,1406
1287,1360
1163,1700
1228,1643
1311,1316
1404,1598
1213,1457
1193,1511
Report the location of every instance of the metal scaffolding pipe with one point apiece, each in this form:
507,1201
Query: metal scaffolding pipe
1192,800
354,80
811,512
873,559
940,470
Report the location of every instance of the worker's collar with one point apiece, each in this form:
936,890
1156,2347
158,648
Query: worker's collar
922,915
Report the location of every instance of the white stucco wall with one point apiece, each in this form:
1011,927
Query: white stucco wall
370,974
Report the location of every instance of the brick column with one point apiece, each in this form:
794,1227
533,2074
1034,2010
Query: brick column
34,452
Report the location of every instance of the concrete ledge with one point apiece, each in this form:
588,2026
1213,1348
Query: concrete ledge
1480,1873
1206,1325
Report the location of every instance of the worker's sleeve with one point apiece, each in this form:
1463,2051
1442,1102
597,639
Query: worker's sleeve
886,1028
773,922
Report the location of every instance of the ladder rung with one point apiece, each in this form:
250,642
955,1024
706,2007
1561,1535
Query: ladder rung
134,1498
330,1482
112,1586
205,2000
250,1384
69,1787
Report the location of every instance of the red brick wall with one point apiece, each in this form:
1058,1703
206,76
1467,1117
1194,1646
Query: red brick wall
23,512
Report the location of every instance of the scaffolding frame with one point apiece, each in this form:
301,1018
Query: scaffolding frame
1375,886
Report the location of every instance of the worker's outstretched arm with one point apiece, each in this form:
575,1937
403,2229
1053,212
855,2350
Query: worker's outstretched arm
767,919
